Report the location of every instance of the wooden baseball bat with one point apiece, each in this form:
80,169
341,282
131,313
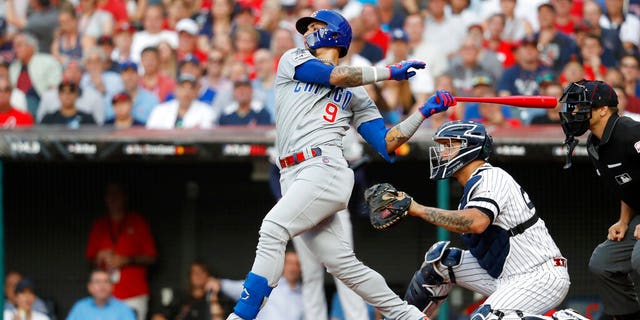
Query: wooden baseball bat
545,102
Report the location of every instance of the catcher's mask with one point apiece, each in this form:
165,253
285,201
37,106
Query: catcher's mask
337,33
471,142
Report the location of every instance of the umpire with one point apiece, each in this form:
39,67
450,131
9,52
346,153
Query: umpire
614,149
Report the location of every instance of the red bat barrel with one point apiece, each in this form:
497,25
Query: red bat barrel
545,102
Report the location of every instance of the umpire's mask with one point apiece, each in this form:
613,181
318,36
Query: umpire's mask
576,109
579,99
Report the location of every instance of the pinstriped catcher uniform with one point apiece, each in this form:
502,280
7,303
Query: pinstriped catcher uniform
510,255
531,275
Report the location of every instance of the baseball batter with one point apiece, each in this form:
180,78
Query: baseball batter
511,258
316,101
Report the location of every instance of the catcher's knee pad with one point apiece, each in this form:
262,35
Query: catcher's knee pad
430,285
255,292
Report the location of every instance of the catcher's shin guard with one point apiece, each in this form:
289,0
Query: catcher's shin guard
430,285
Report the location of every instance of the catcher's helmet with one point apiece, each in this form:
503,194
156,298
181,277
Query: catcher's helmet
475,144
336,34
578,99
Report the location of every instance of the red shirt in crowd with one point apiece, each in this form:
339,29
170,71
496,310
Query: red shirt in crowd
130,237
380,39
15,118
117,9
589,73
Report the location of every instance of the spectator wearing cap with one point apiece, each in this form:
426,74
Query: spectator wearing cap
33,72
68,115
187,30
67,40
244,111
481,84
122,40
556,48
143,100
97,77
11,117
106,44
152,33
185,111
191,65
25,297
90,100
41,21
100,304
94,23
122,107
11,280
153,79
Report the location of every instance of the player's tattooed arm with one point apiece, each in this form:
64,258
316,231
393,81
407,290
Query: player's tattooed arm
395,139
346,76
460,221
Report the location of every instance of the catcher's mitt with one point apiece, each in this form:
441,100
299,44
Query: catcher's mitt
387,205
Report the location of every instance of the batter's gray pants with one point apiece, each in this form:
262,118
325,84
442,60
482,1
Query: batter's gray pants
612,262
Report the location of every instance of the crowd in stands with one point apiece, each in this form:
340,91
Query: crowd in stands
168,64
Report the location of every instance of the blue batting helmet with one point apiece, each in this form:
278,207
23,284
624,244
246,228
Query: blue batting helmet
446,159
336,34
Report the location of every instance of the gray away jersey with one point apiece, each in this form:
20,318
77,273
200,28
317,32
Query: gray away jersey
528,249
309,115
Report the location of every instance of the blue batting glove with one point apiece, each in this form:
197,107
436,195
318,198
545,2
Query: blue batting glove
401,71
438,102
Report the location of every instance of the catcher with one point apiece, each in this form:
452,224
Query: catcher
510,256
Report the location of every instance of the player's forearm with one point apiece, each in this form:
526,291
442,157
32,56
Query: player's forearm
626,213
394,139
452,220
347,76
403,131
